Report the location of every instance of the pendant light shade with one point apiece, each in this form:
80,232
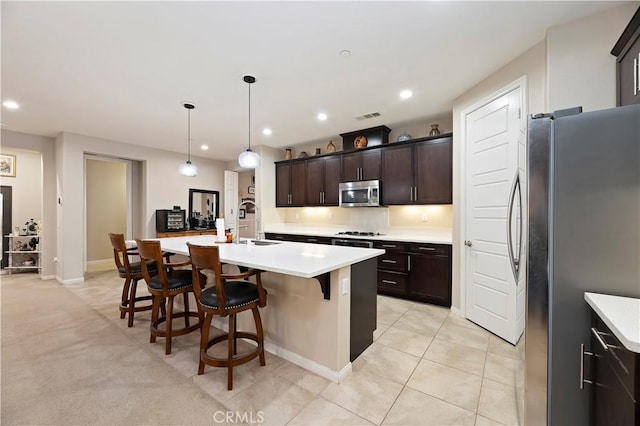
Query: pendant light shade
188,168
249,159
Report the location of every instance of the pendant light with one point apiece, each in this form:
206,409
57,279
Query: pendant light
249,159
188,169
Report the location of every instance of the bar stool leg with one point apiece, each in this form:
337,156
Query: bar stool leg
204,340
186,309
259,333
132,301
154,316
125,294
232,338
167,343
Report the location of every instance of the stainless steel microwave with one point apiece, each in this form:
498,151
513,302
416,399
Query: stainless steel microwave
360,194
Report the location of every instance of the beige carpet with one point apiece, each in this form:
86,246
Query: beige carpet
64,363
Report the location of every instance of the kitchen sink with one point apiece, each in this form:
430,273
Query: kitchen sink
259,242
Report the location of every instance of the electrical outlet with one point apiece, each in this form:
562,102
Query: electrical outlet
345,285
424,217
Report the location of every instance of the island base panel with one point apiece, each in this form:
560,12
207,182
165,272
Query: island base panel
363,305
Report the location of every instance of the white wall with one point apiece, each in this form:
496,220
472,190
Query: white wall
46,148
27,186
580,69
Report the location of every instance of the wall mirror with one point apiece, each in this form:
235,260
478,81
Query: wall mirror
204,208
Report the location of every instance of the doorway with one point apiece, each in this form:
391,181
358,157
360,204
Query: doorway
494,142
108,208
6,195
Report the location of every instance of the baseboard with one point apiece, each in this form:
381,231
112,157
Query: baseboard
100,265
47,277
71,281
457,312
307,364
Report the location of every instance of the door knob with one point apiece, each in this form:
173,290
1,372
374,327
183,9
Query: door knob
468,243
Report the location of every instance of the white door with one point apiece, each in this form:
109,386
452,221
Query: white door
494,133
230,199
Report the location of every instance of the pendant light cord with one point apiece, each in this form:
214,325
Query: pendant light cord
249,116
189,135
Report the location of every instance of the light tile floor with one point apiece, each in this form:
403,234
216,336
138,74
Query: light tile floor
426,367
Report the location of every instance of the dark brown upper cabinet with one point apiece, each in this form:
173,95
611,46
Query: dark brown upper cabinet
322,179
418,172
627,52
290,184
361,165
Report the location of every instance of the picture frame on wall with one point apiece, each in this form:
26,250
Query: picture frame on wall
252,190
7,165
242,213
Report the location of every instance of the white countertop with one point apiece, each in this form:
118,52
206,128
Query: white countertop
417,235
622,316
298,259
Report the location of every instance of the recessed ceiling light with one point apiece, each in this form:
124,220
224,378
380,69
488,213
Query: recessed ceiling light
406,94
204,147
266,131
322,116
11,104
345,53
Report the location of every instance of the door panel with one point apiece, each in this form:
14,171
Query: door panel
492,145
298,184
283,177
434,172
370,164
7,197
331,180
350,166
397,176
314,177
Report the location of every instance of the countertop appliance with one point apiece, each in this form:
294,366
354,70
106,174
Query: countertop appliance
583,235
364,193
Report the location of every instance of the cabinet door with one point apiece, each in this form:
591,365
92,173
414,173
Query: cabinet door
430,278
283,178
434,170
628,75
370,164
397,175
332,179
315,181
350,167
298,184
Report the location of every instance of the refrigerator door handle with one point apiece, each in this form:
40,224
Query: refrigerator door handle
514,261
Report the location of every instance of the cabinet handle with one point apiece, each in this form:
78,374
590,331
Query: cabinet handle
408,263
582,354
426,248
596,333
388,261
635,76
389,282
320,196
389,245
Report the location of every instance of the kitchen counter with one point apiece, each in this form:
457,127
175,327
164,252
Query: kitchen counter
621,315
321,299
417,235
297,259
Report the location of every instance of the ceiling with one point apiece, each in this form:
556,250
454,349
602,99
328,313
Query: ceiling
121,70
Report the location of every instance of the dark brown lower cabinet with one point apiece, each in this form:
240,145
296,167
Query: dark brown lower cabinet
298,238
415,271
615,373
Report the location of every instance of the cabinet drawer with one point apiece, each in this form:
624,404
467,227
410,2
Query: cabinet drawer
393,261
622,361
393,282
390,245
425,248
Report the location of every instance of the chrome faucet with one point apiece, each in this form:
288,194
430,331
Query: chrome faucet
236,238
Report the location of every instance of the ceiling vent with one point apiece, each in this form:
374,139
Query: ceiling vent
368,116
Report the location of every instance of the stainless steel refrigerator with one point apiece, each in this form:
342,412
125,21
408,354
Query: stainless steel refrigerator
583,235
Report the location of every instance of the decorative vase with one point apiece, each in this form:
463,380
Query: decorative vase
404,137
287,154
318,151
331,147
434,130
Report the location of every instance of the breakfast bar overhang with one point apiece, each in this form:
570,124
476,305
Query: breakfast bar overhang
321,303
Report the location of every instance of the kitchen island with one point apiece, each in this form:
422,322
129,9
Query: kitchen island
321,303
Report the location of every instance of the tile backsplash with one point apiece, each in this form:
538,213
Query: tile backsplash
373,219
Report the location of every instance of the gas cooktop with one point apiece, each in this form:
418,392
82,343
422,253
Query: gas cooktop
359,233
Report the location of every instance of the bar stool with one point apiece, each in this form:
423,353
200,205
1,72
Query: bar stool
230,295
131,272
165,285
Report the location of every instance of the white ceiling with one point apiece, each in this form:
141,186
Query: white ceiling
120,70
